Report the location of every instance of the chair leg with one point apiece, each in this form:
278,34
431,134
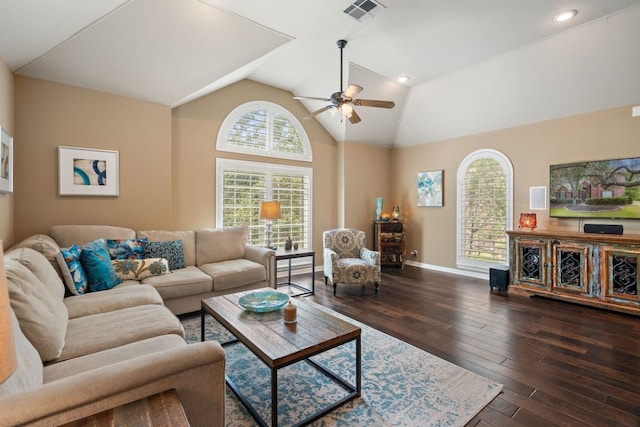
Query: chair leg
376,287
334,289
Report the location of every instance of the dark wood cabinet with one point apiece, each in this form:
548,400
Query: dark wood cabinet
592,269
388,239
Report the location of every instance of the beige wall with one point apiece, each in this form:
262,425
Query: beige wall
367,176
48,115
602,135
167,163
6,121
195,128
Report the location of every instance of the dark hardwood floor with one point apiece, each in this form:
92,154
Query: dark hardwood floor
561,364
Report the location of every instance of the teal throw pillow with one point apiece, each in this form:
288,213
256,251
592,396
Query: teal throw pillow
171,250
126,248
96,262
76,279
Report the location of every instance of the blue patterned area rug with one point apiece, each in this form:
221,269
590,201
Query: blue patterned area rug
401,384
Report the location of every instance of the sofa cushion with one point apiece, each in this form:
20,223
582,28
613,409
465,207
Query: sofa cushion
138,269
220,244
67,235
43,319
110,356
234,273
96,262
28,373
187,281
41,267
171,250
125,248
72,271
95,332
45,245
119,297
188,241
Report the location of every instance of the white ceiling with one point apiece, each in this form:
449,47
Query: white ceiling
474,65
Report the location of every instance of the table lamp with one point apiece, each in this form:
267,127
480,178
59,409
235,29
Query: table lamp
7,344
269,211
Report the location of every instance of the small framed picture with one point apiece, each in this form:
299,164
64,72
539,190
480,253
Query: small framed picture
6,162
430,188
87,172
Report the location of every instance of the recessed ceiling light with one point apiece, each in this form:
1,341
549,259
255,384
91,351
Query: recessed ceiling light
403,79
565,16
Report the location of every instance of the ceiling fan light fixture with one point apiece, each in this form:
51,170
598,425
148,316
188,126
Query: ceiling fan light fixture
565,15
347,111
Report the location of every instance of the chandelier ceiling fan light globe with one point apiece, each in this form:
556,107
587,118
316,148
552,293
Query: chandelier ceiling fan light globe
347,110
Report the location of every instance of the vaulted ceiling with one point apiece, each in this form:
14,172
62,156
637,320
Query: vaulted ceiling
474,66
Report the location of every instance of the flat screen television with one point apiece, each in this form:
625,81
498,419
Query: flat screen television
603,189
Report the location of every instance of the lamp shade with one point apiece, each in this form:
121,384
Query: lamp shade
7,344
528,220
270,210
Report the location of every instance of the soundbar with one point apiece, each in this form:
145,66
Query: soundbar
603,229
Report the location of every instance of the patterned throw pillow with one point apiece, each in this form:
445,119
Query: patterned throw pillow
138,269
171,250
126,248
96,262
72,271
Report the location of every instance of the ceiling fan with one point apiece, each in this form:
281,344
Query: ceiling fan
343,100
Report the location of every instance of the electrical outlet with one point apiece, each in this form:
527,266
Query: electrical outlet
414,252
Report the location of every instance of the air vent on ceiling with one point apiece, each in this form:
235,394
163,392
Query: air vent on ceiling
363,9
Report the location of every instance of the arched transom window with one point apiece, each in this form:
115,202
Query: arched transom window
264,129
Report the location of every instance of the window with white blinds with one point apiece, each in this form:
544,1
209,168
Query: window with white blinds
264,129
242,185
484,210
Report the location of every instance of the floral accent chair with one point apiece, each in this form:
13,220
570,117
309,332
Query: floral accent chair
347,260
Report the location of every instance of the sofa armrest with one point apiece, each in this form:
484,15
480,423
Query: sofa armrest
196,371
371,257
266,257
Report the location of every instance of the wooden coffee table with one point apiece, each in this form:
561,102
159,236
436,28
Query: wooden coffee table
278,344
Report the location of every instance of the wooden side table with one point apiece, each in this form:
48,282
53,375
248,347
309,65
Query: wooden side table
282,254
160,410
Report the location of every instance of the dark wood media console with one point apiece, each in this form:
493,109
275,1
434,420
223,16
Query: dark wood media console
593,269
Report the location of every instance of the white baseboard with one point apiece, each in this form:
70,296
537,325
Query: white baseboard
442,269
319,269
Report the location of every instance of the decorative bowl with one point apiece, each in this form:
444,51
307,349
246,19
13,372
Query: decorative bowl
263,301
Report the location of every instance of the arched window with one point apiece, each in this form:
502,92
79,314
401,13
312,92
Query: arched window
263,128
485,210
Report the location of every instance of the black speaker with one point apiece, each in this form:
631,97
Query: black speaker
603,229
498,278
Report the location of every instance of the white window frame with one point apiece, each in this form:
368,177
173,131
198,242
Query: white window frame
505,163
271,108
268,168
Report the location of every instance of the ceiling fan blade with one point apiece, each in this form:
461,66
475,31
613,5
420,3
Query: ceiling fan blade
321,110
351,91
313,98
355,118
373,103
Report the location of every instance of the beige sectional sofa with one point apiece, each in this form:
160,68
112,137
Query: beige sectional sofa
218,261
80,355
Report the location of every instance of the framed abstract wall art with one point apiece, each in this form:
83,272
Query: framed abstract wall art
87,172
6,162
430,188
